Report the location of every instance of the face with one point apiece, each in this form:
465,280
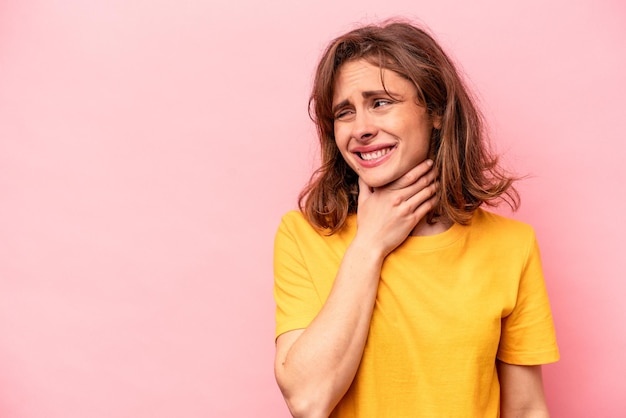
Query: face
380,135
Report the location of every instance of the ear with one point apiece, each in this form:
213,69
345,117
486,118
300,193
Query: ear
436,121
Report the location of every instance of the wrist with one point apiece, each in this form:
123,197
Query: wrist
367,252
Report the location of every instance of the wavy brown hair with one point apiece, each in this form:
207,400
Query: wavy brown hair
469,172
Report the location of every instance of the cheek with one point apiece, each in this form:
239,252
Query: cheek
341,140
347,156
340,143
338,132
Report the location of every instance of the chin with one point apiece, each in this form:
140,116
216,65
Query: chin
375,183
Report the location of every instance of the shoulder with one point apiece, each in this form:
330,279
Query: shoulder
492,223
295,230
294,218
503,233
297,223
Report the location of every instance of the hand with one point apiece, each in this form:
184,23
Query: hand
387,215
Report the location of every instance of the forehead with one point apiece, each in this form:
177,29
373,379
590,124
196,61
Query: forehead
358,76
357,73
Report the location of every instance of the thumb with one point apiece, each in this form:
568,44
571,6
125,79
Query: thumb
364,191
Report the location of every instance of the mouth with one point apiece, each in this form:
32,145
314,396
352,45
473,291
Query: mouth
373,155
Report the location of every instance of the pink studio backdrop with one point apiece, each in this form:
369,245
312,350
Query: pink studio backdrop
149,148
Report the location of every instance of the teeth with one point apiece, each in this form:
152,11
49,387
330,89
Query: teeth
375,154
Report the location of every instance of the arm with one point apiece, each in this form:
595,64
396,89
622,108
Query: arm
521,391
314,367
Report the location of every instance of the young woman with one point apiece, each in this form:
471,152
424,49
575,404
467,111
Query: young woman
397,294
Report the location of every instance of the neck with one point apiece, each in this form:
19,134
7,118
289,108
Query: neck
438,226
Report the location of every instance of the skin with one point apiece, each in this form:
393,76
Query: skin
370,117
314,367
381,120
521,391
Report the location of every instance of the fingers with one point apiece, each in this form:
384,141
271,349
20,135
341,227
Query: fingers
413,175
424,200
419,189
414,190
387,214
364,191
417,185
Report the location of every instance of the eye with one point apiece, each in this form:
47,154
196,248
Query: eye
381,102
343,114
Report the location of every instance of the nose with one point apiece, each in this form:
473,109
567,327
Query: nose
363,127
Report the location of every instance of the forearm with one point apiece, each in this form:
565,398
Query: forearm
318,368
521,391
531,413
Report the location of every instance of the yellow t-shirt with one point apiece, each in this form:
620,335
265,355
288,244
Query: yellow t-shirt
447,306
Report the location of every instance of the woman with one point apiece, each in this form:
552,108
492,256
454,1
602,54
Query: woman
397,295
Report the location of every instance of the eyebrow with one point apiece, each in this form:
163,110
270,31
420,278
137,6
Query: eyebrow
366,95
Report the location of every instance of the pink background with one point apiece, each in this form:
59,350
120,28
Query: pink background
148,149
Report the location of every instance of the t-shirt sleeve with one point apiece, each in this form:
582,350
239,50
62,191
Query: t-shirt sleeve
297,301
528,336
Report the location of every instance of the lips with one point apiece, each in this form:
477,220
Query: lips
372,155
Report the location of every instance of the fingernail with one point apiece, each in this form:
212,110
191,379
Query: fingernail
429,162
